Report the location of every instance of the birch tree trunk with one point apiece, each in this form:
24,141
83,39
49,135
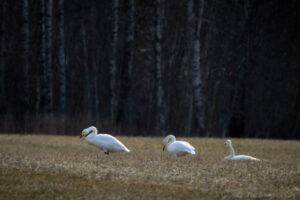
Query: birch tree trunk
197,74
113,62
190,40
160,121
124,114
87,90
130,36
61,58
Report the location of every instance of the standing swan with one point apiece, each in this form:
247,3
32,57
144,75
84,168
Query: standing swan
103,141
232,155
177,148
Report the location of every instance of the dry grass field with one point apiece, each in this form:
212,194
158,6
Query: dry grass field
63,167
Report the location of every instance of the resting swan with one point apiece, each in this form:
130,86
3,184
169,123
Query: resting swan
177,148
232,155
103,141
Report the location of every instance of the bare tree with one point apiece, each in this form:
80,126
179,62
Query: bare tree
25,28
190,33
61,58
43,82
49,70
160,121
130,36
2,57
46,57
125,100
164,70
113,62
93,54
196,69
87,88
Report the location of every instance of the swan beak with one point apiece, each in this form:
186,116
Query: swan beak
164,147
81,135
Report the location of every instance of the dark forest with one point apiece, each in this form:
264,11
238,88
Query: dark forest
207,68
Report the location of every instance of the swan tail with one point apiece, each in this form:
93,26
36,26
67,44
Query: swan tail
255,159
127,150
193,152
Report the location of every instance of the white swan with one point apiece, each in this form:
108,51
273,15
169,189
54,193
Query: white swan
103,141
177,148
232,155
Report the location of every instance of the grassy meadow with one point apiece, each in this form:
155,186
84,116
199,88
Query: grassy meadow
65,167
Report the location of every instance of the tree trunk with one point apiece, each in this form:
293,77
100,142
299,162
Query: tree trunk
130,36
43,82
160,121
113,62
61,58
48,71
95,67
87,88
197,74
2,58
125,110
236,90
26,35
46,57
189,49
189,118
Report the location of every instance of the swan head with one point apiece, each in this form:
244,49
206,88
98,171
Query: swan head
232,153
228,143
88,131
167,140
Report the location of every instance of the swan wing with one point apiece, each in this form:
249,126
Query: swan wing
188,144
110,143
244,157
181,148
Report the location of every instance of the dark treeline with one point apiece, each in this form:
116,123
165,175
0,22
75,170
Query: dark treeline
192,67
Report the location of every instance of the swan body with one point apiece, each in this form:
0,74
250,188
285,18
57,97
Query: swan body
103,141
177,148
232,155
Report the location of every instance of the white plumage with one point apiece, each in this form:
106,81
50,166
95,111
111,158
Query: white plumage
232,155
177,148
103,141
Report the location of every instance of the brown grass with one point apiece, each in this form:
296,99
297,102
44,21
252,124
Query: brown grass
61,167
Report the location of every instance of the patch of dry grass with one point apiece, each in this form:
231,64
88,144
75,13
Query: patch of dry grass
61,167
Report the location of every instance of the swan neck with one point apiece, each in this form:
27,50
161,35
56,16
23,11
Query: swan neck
169,137
90,137
173,139
232,153
94,130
